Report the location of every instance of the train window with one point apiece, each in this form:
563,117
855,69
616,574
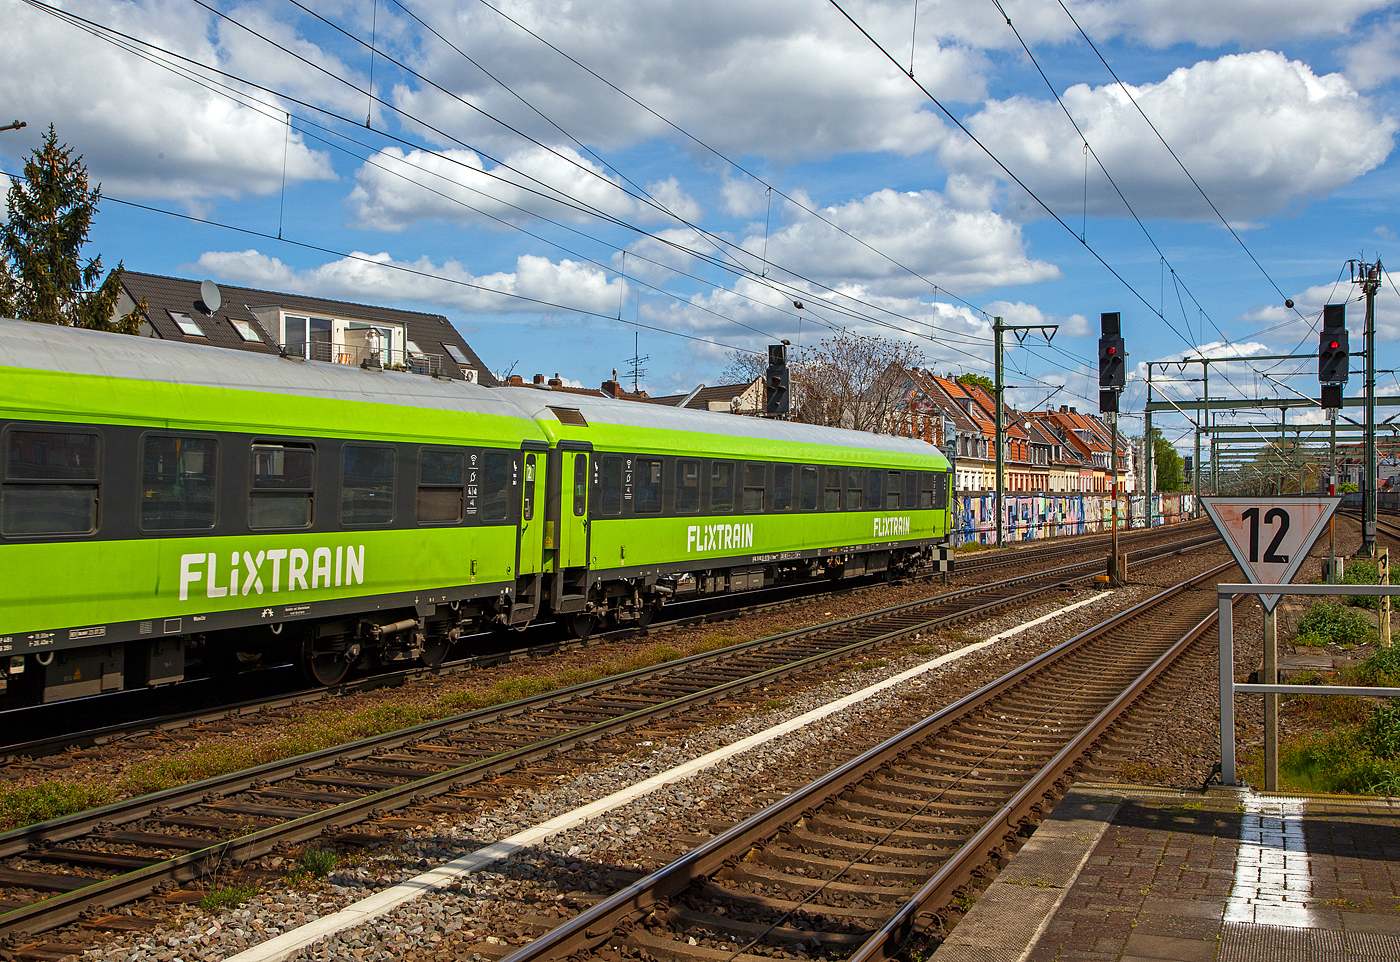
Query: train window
940,490
580,484
926,495
873,483
440,487
833,489
177,483
610,486
892,492
855,481
687,487
811,488
50,483
782,487
649,489
722,487
911,489
283,486
366,484
754,477
527,506
495,486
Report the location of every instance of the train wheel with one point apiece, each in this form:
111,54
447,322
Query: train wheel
322,664
581,625
646,615
435,651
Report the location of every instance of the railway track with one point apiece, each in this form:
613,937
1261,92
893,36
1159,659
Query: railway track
852,865
53,872
60,734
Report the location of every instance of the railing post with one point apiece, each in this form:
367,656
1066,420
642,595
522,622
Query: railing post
1225,628
1269,676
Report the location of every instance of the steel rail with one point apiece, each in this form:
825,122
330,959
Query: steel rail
623,910
66,907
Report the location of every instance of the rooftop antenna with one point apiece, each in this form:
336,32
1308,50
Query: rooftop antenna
637,372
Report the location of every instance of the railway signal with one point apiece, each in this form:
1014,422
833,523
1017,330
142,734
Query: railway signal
1113,363
1333,355
777,382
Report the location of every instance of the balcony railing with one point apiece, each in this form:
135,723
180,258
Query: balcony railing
361,355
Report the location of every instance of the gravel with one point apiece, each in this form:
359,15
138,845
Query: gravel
520,896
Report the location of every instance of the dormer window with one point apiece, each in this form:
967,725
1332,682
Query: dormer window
186,324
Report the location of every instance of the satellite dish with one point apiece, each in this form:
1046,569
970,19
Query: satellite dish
209,293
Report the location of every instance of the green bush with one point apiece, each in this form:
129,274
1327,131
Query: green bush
317,862
1382,669
1336,623
1383,734
1360,572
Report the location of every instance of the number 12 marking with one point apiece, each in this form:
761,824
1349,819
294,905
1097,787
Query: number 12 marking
1252,516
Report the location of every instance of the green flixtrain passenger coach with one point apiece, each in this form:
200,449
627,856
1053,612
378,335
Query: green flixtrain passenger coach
166,506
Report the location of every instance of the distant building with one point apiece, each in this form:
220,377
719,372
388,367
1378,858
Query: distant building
318,329
728,398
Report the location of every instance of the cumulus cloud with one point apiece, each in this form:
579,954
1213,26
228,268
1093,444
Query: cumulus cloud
394,190
143,131
1285,326
1258,131
1375,60
784,78
963,250
379,278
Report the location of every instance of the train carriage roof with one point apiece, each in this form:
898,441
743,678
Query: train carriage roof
44,347
631,415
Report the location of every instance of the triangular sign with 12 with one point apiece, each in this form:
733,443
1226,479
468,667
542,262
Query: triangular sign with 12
1270,537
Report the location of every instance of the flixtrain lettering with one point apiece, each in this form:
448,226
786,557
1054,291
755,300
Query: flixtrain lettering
246,573
891,527
718,537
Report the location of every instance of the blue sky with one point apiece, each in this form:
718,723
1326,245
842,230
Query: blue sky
1285,113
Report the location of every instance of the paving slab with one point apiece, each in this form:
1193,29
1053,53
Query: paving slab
1121,873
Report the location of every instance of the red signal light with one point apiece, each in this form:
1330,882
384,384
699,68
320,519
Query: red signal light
1333,345
1114,350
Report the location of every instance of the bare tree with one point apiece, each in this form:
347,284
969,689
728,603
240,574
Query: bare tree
743,367
852,381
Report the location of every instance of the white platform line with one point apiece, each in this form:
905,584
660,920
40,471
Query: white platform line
381,903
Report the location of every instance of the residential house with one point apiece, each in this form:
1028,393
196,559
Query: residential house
316,328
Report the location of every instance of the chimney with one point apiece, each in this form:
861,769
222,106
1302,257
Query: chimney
515,379
610,388
555,382
539,380
1064,409
1073,410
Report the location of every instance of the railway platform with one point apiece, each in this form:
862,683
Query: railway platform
1126,874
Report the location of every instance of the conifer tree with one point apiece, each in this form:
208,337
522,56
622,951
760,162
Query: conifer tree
49,216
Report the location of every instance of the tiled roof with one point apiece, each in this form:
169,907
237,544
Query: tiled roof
166,295
724,393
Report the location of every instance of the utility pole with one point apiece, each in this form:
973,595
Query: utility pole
1020,330
1149,448
1369,277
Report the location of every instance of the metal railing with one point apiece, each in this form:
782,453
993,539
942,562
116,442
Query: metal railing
361,355
1229,687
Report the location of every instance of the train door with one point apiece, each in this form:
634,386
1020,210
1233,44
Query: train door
529,556
567,531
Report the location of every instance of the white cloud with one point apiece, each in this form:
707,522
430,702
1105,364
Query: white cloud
142,131
1258,132
1375,60
378,278
785,79
1161,23
395,190
962,250
1287,328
